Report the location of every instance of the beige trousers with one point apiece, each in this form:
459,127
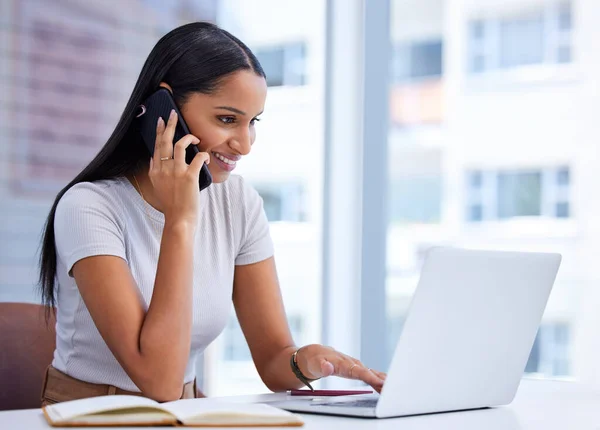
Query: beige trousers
58,387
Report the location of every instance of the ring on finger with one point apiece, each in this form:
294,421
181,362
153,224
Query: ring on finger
166,158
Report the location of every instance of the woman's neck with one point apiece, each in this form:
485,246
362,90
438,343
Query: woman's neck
141,182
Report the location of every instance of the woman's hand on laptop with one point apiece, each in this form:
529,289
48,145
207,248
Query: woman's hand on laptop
318,361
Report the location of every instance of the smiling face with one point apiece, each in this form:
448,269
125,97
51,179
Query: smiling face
224,121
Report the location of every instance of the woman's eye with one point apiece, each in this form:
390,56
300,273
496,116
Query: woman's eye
227,119
232,120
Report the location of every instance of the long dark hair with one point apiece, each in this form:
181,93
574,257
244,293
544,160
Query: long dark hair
192,58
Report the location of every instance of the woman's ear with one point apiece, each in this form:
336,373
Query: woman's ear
167,86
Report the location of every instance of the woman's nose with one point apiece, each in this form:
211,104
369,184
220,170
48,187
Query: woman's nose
241,144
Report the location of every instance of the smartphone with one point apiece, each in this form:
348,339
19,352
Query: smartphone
160,104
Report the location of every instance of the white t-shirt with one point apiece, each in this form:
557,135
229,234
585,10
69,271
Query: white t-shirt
110,218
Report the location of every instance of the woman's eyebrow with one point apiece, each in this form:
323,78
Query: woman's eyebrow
232,109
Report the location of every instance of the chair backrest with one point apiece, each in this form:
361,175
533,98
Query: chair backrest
26,349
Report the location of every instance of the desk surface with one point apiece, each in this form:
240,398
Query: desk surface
543,405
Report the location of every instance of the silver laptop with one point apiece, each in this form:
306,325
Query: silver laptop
466,340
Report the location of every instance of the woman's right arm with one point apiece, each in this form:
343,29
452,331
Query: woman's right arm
152,347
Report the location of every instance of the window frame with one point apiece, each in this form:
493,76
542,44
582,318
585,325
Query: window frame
552,193
489,46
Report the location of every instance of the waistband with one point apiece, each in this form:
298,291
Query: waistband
59,387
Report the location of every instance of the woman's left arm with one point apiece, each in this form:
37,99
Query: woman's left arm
259,307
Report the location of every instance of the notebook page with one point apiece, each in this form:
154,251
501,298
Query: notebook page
74,408
187,409
126,417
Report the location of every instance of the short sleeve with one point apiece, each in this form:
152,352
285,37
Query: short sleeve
256,244
86,224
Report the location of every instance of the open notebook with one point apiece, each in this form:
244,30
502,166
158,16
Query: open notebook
140,411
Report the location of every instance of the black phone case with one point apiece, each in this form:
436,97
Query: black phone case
158,104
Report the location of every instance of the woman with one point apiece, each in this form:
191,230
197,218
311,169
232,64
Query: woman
142,267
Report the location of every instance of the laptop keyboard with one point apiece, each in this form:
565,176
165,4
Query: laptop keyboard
362,403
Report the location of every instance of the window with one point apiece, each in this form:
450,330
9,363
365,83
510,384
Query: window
562,210
396,324
476,179
284,65
563,181
296,323
288,38
236,348
493,195
549,354
416,199
522,41
516,166
539,37
282,202
475,213
563,177
416,60
519,194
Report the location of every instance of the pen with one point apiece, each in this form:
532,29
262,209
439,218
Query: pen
327,392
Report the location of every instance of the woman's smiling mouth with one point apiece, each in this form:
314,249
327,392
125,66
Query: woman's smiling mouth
226,162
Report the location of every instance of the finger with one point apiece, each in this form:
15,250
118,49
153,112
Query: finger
160,129
380,375
199,159
181,146
354,361
341,365
326,368
357,370
166,149
367,376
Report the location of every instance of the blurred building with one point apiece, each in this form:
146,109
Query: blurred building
494,145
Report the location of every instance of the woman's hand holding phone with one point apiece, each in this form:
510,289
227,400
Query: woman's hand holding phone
175,182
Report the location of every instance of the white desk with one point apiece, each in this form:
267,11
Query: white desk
543,405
